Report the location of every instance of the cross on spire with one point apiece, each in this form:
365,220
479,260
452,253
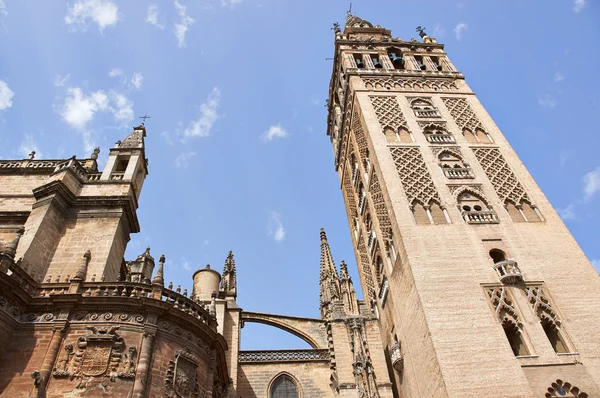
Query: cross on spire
145,117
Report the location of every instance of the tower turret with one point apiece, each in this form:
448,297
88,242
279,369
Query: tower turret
127,160
228,278
330,286
206,283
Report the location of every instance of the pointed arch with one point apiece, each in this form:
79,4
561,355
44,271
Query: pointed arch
469,136
284,385
472,191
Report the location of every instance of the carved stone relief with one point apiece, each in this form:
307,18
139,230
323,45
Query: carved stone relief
181,380
463,114
411,84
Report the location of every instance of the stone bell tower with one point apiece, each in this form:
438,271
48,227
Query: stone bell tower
479,288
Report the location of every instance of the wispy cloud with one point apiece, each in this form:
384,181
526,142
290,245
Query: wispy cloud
60,81
558,77
273,132
564,156
566,213
186,265
114,72
230,3
152,17
102,12
180,29
591,183
28,145
460,29
208,116
167,137
183,161
438,31
275,227
6,96
579,5
547,101
3,10
137,80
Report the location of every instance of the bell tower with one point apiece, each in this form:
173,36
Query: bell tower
479,288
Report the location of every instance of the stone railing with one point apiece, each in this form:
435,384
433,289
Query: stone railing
187,305
480,217
427,113
396,357
93,177
74,165
440,138
508,271
284,356
116,176
377,71
458,173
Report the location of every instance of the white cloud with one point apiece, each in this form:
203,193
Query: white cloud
208,116
6,96
103,12
152,17
137,80
123,110
460,28
230,3
29,145
186,265
114,72
558,77
3,11
183,161
578,5
274,132
79,109
567,213
275,227
547,101
591,183
180,29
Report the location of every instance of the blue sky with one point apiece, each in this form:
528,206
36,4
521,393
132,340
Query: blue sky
238,153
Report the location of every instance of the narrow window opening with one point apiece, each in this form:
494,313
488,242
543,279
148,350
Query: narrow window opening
358,59
469,136
284,387
121,164
514,213
396,58
376,62
515,338
497,255
420,64
435,61
554,337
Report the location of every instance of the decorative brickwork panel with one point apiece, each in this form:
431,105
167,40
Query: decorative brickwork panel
388,112
540,303
414,175
359,135
365,269
411,84
501,176
503,305
349,192
381,208
462,113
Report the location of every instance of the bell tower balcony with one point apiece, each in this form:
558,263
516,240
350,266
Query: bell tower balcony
508,272
396,357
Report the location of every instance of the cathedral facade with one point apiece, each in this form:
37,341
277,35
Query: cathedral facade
472,285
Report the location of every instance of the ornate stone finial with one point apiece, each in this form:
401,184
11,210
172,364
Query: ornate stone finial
228,278
31,155
11,249
336,28
82,271
421,30
212,309
207,266
185,292
343,270
159,278
170,286
95,154
147,252
178,289
323,235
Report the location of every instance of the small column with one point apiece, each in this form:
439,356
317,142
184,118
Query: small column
49,360
144,362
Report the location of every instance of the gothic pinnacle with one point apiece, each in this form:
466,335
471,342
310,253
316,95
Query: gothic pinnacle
82,271
159,278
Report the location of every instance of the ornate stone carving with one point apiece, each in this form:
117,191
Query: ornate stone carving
454,150
385,224
503,306
359,135
463,114
564,389
365,269
500,175
540,303
388,112
181,380
118,317
411,84
415,177
99,356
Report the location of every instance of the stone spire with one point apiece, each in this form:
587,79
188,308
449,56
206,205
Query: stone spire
159,278
228,280
330,285
135,139
347,290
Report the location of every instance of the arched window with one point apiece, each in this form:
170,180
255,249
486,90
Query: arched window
421,217
514,213
482,136
554,336
453,166
470,137
522,212
402,135
424,108
437,134
395,56
283,387
515,337
497,255
475,210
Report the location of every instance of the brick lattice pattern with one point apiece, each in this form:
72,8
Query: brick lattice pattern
501,176
388,112
462,113
415,177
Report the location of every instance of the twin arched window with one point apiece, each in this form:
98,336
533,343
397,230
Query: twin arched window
283,387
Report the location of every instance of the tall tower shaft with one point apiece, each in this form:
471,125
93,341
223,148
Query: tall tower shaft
477,284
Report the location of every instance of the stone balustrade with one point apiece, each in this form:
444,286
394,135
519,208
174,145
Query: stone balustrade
116,176
508,271
93,177
458,173
480,217
312,355
427,113
396,357
440,138
382,71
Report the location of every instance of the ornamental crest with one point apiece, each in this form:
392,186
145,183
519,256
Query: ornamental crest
99,355
181,380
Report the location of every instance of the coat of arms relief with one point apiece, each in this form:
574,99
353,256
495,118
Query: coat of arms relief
181,380
99,355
